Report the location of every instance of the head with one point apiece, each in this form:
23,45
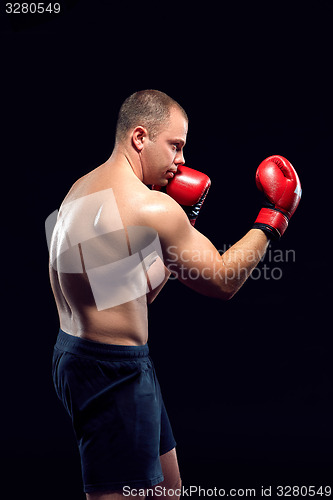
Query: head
153,127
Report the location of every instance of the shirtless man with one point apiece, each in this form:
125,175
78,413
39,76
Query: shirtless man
109,255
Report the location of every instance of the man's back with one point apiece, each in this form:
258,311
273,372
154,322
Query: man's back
100,253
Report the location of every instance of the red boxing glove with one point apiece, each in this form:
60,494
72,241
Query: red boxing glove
278,180
189,188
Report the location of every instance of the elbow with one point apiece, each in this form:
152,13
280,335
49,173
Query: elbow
227,293
220,291
225,296
222,295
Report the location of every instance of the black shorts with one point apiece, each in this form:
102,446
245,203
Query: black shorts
114,399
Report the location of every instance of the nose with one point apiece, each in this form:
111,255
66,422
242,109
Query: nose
179,160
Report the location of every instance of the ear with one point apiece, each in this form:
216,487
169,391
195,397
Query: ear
139,136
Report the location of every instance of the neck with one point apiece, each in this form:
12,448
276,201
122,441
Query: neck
121,156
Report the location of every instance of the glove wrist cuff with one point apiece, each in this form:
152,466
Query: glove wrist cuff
273,221
271,233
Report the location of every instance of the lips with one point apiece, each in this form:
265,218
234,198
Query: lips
170,174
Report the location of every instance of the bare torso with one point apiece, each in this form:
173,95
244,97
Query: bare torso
96,268
106,261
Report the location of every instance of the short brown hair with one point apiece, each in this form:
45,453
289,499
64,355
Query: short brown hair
148,108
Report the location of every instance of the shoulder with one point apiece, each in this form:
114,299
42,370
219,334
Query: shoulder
159,206
159,202
164,214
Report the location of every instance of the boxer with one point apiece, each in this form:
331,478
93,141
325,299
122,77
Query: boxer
110,251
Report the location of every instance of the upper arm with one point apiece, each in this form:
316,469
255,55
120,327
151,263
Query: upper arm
187,253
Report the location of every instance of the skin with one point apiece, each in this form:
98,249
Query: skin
135,163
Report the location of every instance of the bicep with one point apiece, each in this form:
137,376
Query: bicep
187,253
194,260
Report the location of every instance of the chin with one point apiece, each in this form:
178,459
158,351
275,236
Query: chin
162,182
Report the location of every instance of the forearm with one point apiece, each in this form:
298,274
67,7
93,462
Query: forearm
199,265
239,260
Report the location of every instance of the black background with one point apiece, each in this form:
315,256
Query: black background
247,383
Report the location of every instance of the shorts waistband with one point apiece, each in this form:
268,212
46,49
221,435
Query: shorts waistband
99,350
